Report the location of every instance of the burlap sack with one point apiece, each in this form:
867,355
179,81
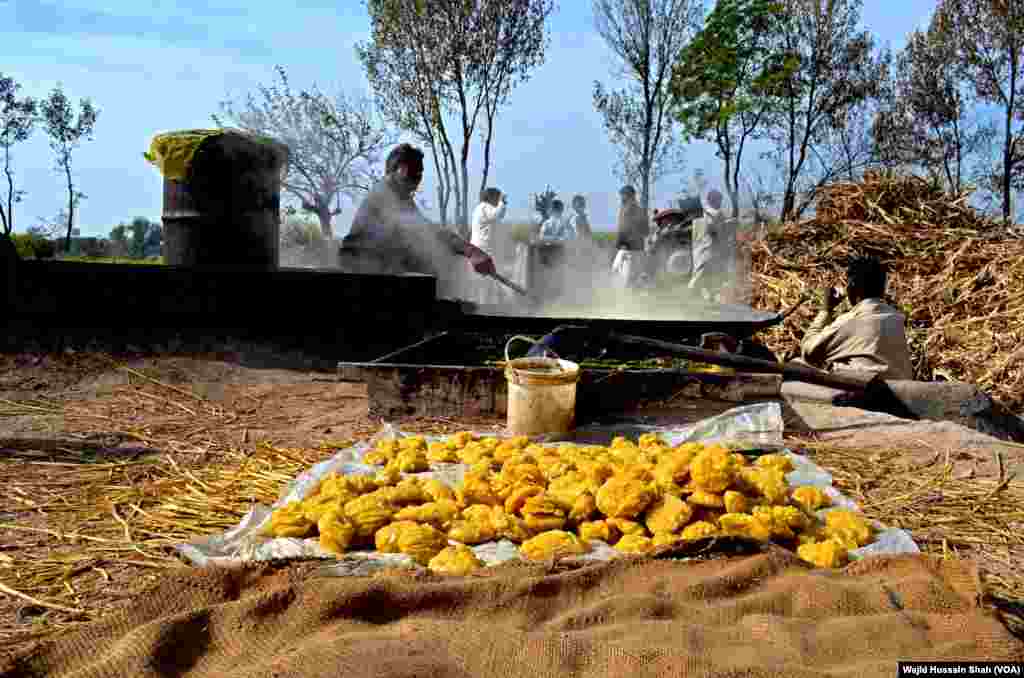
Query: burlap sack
762,615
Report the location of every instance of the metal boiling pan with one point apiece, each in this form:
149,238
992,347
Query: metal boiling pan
688,321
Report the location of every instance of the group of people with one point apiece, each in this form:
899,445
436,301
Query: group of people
389,234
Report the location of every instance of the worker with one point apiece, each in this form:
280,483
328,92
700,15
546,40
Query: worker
579,221
486,218
870,336
633,227
556,226
390,235
714,250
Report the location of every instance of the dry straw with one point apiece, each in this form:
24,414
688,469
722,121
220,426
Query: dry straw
91,529
958,276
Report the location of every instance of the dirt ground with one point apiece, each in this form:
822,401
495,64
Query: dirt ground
61,413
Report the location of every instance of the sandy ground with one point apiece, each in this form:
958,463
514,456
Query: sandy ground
92,409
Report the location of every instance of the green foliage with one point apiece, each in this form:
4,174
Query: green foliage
521,233
148,261
25,244
734,66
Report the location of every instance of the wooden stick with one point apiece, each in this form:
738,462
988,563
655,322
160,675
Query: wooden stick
35,601
845,381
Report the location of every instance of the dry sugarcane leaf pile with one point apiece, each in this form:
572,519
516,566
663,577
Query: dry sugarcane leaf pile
957,275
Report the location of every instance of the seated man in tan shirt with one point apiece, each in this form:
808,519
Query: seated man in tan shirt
870,336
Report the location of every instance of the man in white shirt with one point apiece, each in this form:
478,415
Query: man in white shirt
486,218
557,227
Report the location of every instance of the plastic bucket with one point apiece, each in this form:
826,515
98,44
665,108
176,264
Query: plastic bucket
541,394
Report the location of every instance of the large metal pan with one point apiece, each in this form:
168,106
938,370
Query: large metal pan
691,321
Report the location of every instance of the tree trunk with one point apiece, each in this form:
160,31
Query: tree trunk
8,216
71,205
487,151
1007,166
323,213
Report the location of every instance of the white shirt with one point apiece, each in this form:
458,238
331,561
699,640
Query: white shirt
485,218
557,228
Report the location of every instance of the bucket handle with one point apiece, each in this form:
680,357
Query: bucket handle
535,343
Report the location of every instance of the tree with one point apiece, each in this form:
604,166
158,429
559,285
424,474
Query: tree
726,80
990,40
66,132
119,241
142,232
645,36
17,120
929,120
459,59
334,142
837,68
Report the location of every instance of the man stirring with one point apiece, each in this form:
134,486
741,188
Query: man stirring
390,235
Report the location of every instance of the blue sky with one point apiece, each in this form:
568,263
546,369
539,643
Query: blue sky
152,66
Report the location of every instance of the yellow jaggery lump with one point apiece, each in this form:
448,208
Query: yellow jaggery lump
289,521
421,542
172,152
553,544
521,459
437,490
745,525
471,532
776,461
699,530
336,531
707,499
642,471
596,473
785,521
478,512
368,513
665,538
668,514
740,459
359,484
509,527
634,543
387,477
485,468
848,526
377,457
735,502
473,453
582,509
415,443
619,442
459,440
516,476
768,482
385,539
517,498
542,514
828,553
649,440
624,498
412,461
313,507
455,560
714,469
566,489
441,453
438,513
476,489
553,466
597,529
625,526
811,498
